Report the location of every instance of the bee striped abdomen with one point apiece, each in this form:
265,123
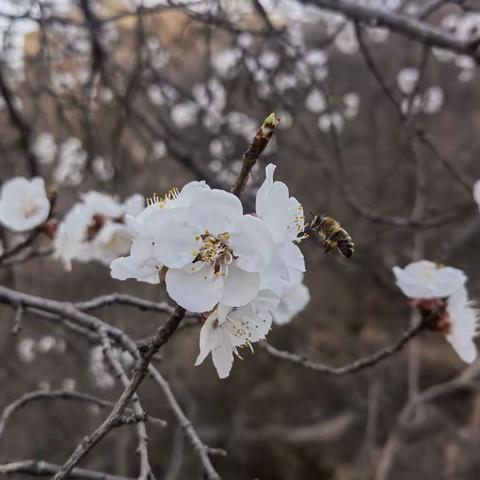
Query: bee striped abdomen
344,242
346,246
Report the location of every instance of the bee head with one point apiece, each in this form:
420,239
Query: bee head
317,220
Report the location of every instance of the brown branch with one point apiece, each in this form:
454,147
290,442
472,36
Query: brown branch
40,468
123,299
464,380
199,447
353,367
402,24
147,349
255,149
89,326
418,133
146,471
41,395
18,120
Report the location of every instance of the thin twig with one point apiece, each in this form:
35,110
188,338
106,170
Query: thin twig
353,367
41,395
40,468
147,349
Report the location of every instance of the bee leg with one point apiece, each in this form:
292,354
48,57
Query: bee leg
328,248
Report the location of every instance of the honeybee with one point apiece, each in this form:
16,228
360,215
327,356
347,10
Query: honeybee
333,235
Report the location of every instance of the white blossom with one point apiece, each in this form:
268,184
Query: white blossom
269,60
330,119
425,279
72,160
159,150
211,95
213,252
241,124
45,148
227,329
316,57
407,79
224,62
141,264
26,349
352,104
315,101
432,100
184,114
98,369
346,40
95,229
24,204
103,169
285,81
156,96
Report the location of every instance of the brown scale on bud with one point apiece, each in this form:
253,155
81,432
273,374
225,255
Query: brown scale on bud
262,137
255,149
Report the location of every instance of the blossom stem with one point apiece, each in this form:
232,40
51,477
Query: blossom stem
255,149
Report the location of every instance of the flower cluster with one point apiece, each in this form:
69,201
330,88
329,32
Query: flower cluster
95,229
240,271
439,293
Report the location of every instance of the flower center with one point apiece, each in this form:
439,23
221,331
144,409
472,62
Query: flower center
28,208
216,251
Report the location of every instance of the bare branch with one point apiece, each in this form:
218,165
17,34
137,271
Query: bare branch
147,350
356,366
35,396
200,448
399,23
40,468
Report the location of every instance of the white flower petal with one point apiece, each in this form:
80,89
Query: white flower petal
292,256
140,264
123,268
207,338
261,204
253,245
282,214
476,192
223,360
294,299
463,318
276,276
134,205
425,279
176,243
240,287
195,291
216,211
